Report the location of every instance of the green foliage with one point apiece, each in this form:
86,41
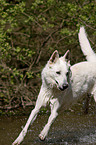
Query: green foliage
29,32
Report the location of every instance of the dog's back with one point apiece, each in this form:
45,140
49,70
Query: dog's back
85,46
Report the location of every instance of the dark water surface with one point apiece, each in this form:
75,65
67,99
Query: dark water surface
68,129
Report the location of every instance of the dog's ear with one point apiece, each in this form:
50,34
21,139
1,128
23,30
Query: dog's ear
54,57
67,55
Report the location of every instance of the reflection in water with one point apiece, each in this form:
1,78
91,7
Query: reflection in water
68,129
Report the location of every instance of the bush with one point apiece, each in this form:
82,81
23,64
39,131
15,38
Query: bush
29,32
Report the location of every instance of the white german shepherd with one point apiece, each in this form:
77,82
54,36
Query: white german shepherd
62,84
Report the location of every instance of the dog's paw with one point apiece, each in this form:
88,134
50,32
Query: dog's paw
14,143
41,137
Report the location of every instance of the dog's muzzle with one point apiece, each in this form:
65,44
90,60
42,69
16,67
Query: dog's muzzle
63,87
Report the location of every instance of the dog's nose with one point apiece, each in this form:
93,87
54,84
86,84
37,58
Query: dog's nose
63,87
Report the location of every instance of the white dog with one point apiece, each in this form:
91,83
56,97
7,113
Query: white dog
62,85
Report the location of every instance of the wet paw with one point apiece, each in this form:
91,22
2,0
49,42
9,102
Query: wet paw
41,137
15,143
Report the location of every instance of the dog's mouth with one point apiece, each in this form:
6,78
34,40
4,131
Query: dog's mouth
63,87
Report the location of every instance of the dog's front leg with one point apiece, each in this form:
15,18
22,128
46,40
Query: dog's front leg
41,100
31,118
54,104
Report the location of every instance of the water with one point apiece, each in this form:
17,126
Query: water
68,129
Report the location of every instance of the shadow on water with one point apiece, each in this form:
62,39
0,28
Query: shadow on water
68,129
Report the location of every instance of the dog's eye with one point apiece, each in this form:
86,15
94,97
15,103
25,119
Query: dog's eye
58,72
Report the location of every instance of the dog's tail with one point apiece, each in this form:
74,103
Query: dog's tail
85,46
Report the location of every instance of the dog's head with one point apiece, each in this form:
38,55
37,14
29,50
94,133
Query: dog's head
57,71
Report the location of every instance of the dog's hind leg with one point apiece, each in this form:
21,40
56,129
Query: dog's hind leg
94,93
54,104
86,103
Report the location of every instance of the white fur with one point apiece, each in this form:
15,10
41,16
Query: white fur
62,86
85,46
